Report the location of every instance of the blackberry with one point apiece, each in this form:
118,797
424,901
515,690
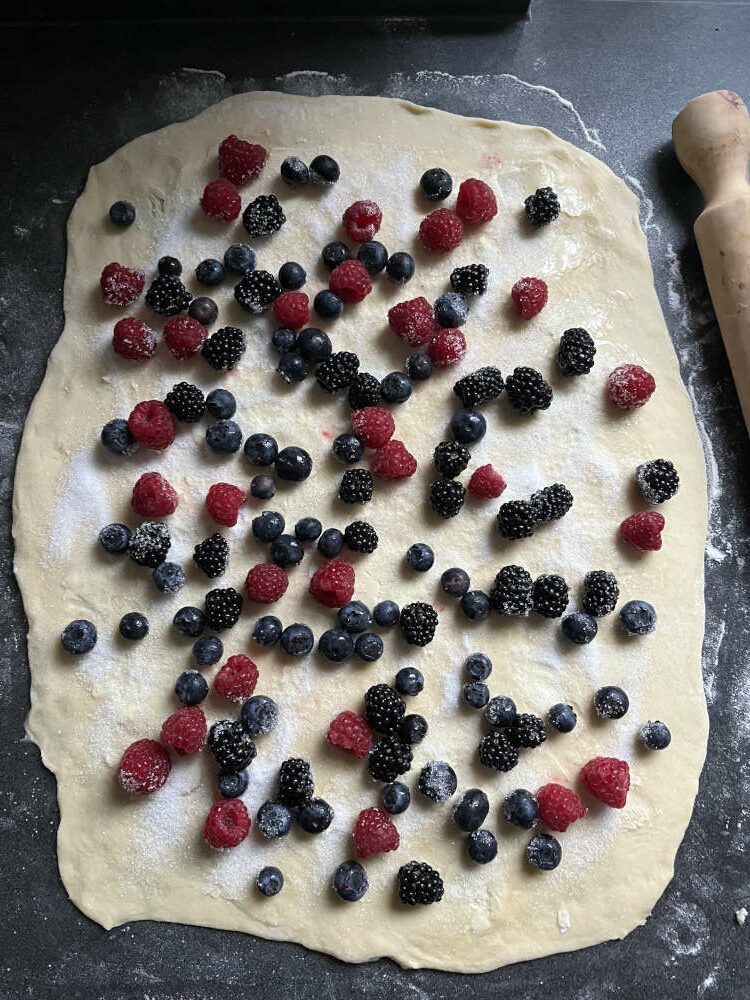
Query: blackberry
527,731
600,593
447,497
575,355
516,519
294,783
256,291
528,391
479,387
212,555
231,746
470,280
264,216
657,480
419,882
418,622
186,402
364,390
497,752
552,502
224,348
167,295
222,608
149,544
338,371
451,458
389,758
383,708
542,207
359,536
511,593
549,595
356,486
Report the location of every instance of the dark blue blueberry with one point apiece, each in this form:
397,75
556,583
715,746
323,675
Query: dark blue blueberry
324,170
475,605
259,715
239,258
169,577
315,816
274,820
638,618
400,267
336,645
221,404
348,449
295,172
78,637
292,368
436,184
481,846
191,687
270,881
471,810
419,367
396,387
286,550
133,626
232,784
420,557
455,582
412,729
478,666
350,881
611,702
293,464
521,809
189,621
292,276
116,437
501,712
327,304
335,253
330,543
210,272
579,628
204,310
468,426
314,344
655,735
207,650
170,267
562,718
373,255
262,487
224,437
355,617
297,639
409,681
267,630
386,613
437,781
476,694
368,647
122,213
451,310
544,852
261,449
284,340
308,529
115,538
395,797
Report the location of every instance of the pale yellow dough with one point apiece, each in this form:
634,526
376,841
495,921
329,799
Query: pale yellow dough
125,860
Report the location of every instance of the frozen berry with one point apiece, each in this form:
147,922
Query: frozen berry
468,426
476,202
133,340
186,402
559,806
293,464
327,305
294,172
608,779
122,213
447,348
115,538
263,216
153,496
611,702
374,833
579,628
221,200
544,852
241,161
266,583
350,281
223,502
237,678
79,637
455,582
562,718
486,482
637,618
655,735
393,461
121,285
373,425
351,733
409,681
210,272
185,730
542,207
184,336
374,256
292,310
451,309
521,809
350,881
441,231
332,585
362,220
324,170
396,387
529,296
227,824
412,321
152,425
191,687
630,386
144,767
203,309
643,531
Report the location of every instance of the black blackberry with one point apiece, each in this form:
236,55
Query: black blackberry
511,594
552,502
527,390
451,458
359,536
356,486
149,544
364,390
222,608
294,783
527,731
231,745
419,882
549,595
542,207
516,519
389,758
418,622
470,280
186,402
657,480
479,387
264,216
447,497
224,348
338,371
600,593
383,708
256,291
575,355
496,751
212,555
167,295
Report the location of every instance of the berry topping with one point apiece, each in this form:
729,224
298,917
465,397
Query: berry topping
549,595
468,426
516,519
351,733
389,758
451,458
183,336
117,439
191,687
386,614
204,310
364,391
285,551
121,285
479,387
542,207
529,296
294,784
638,618
575,355
470,280
292,276
115,538
133,340
221,200
600,593
359,536
396,387
350,881
471,810
153,496
436,184
241,161
224,437
274,820
169,578
419,883
78,637
237,678
412,321
447,497
478,666
657,480
611,702
266,583
185,730
374,256
222,608
292,310
643,531
361,221
437,781
324,170
481,846
393,461
579,628
231,745
212,555
224,348
528,391
294,172
122,213
144,767
347,449
521,809
418,622
552,502
447,348
559,806
260,715
420,557
338,371
227,824
223,502
655,735
332,585
207,650
264,216
383,708
356,486
451,310
373,425
186,402
487,483
149,544
441,231
151,425
350,281
630,386
256,291
374,833
608,779
562,718
269,881
527,731
476,202
315,816
544,852
500,712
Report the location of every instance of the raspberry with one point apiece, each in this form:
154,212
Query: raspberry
185,730
441,231
121,285
221,200
630,386
608,779
447,348
530,296
351,733
133,340
486,482
350,281
373,425
559,806
152,425
223,501
475,202
266,583
393,461
362,220
240,161
237,678
144,767
333,584
227,824
184,336
412,321
153,496
374,833
292,310
643,531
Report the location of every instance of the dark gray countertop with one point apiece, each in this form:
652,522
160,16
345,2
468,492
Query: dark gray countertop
609,75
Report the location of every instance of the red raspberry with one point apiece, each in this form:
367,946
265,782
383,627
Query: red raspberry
152,425
350,281
413,321
559,806
144,767
393,461
241,161
530,296
351,733
373,425
333,584
374,833
133,340
266,583
185,730
447,348
630,386
221,200
184,336
121,285
486,482
292,310
153,496
237,678
441,231
476,202
643,531
362,220
223,502
227,824
608,779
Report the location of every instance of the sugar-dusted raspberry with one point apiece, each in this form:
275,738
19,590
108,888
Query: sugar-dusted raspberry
184,336
530,296
373,425
227,824
350,281
292,310
241,161
393,461
362,220
144,767
643,531
152,425
630,386
154,496
133,340
121,285
185,730
475,202
608,779
447,348
559,806
237,678
223,502
413,321
374,833
221,200
266,583
351,733
333,584
441,231
486,482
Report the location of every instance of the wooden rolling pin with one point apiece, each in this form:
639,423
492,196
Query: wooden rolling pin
712,141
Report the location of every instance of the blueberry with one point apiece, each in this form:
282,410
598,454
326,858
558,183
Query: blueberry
655,735
500,712
191,687
224,437
409,681
274,820
308,529
314,344
267,630
481,846
455,582
293,464
611,702
400,267
468,426
368,647
267,525
231,784
295,172
203,309
395,797
210,272
261,449
133,626
419,367
324,170
579,628
330,543
286,551
373,255
475,605
292,368
78,637
544,852
170,267
239,258
297,639
350,881
562,718
207,650
521,809
221,404
471,810
115,538
335,253
327,304
259,715
478,666
315,816
476,694
122,213
412,729
396,387
116,437
436,184
386,613
347,449
355,617
270,881
451,310
292,276
169,577
336,645
638,618
189,621
420,557
263,487
437,781
284,340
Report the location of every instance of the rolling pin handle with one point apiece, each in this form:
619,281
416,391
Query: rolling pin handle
712,142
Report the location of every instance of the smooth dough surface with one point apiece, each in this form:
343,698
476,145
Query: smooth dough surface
125,860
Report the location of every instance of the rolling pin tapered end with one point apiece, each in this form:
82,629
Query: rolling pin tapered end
712,141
